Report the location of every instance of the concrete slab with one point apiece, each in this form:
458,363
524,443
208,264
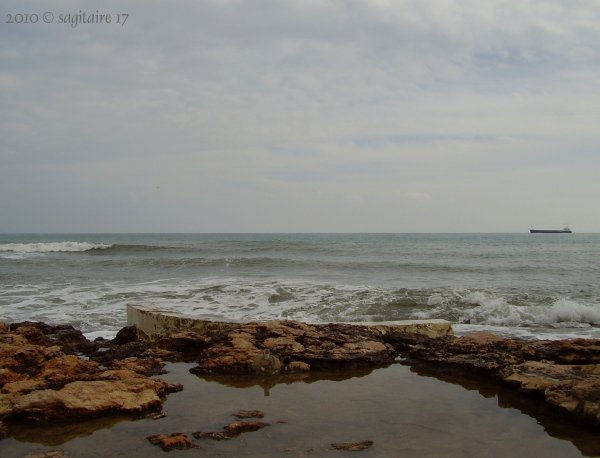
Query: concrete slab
153,323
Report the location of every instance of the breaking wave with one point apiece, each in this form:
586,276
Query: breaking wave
481,307
51,247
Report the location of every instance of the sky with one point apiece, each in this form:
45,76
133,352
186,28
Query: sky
301,116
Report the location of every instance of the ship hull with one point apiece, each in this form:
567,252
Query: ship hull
550,231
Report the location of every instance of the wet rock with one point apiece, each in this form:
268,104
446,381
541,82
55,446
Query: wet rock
489,352
172,441
184,342
353,446
40,382
265,363
249,414
145,366
106,355
262,348
573,389
125,335
238,427
214,435
9,376
24,358
297,367
24,386
69,339
68,368
233,429
83,399
564,374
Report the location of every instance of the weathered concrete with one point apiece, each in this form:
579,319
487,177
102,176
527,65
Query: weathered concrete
428,328
155,323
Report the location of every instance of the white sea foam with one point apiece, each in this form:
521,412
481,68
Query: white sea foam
99,309
484,308
49,247
528,333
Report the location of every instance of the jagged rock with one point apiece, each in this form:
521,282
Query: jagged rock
574,389
238,427
24,358
178,441
214,435
69,339
353,446
125,335
24,386
132,394
489,352
39,382
297,367
9,376
105,355
184,342
68,368
3,429
231,430
266,348
565,374
145,366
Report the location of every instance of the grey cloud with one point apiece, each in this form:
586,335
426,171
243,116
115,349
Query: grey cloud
241,105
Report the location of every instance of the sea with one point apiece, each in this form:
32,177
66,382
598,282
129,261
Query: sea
542,286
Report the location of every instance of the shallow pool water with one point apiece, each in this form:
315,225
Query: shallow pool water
404,413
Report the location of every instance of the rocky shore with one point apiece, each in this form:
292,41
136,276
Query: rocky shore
49,372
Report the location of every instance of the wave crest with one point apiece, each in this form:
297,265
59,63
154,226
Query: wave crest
51,247
481,307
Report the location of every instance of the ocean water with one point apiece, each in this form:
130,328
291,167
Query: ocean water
530,285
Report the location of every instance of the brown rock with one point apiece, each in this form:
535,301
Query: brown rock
265,363
232,429
146,366
68,368
69,339
353,446
24,386
263,348
26,358
214,435
9,376
185,342
296,367
41,382
80,399
125,335
565,374
574,389
238,427
178,441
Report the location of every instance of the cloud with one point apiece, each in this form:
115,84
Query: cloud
251,107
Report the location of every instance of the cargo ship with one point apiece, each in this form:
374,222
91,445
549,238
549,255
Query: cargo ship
564,230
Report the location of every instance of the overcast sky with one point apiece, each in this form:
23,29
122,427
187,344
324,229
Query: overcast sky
293,116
